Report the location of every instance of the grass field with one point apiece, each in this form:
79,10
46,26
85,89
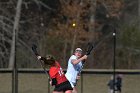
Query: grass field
92,83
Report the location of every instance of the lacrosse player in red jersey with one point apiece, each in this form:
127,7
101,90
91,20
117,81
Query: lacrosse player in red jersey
58,79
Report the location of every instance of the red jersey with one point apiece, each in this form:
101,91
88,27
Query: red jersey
57,72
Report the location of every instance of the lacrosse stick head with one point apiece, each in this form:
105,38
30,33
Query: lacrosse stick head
34,48
89,48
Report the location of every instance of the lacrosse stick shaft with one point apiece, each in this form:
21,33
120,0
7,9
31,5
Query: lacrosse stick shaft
41,63
34,48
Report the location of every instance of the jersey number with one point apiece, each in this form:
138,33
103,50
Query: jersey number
60,72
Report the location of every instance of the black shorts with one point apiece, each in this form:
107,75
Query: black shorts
63,87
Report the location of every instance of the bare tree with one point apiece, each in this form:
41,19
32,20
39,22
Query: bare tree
6,23
15,33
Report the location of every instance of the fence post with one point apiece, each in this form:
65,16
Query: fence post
81,82
15,79
114,60
48,85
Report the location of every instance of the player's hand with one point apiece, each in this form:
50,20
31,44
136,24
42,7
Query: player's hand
85,57
38,57
50,82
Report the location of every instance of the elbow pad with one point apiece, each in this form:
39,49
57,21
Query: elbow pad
54,81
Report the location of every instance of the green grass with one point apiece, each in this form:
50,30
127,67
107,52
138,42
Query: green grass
92,83
5,83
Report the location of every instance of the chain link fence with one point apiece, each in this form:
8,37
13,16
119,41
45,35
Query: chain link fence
35,81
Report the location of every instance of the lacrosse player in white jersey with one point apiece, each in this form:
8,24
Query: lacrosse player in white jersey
74,67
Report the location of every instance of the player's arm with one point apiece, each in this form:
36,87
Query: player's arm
41,58
53,73
76,61
54,81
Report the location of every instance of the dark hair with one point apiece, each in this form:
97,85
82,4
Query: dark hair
50,60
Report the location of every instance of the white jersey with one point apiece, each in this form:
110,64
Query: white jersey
73,70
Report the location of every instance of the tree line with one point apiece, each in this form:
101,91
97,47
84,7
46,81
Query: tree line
49,24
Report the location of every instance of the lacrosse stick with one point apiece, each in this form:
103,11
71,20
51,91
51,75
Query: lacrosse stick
34,48
91,47
88,52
